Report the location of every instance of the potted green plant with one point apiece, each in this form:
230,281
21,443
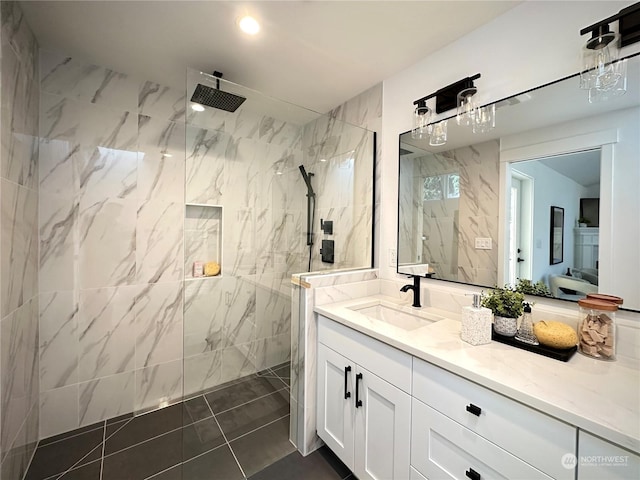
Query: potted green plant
507,305
529,288
583,222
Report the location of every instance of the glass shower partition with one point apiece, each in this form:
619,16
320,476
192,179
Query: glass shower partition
245,234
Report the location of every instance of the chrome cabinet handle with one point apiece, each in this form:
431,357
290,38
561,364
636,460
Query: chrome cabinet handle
347,394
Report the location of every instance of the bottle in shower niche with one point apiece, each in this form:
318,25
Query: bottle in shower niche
476,323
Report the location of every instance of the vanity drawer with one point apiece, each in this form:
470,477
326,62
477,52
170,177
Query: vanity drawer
387,362
444,449
538,439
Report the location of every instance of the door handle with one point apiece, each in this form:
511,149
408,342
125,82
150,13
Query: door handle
472,474
520,260
347,394
358,401
471,408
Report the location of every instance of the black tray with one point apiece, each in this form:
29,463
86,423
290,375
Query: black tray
556,353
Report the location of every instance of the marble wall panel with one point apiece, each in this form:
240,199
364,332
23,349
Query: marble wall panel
18,370
159,241
106,397
161,102
18,234
66,76
205,164
59,340
106,326
19,362
17,34
202,371
16,461
158,385
161,156
204,312
19,140
58,237
239,361
158,312
107,243
59,410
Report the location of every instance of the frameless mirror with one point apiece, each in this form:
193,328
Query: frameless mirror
478,210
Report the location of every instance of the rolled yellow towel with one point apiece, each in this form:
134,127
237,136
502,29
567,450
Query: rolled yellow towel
555,334
211,269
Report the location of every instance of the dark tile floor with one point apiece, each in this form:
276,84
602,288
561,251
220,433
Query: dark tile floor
239,430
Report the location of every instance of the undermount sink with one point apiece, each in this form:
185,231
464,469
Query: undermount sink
397,315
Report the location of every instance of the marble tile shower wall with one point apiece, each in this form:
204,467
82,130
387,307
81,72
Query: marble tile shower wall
111,214
339,155
19,243
451,226
251,160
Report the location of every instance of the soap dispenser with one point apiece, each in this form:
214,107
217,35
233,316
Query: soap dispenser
525,332
476,323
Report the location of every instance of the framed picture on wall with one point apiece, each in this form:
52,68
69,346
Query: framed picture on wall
556,247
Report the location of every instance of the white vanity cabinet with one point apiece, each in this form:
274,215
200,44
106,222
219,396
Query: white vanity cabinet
364,408
462,430
598,459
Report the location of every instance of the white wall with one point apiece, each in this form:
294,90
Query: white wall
530,45
551,188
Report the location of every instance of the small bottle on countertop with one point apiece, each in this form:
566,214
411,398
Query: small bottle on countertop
476,323
525,332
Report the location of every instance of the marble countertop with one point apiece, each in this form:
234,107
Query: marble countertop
600,397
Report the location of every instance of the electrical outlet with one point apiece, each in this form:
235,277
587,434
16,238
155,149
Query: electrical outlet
393,257
483,243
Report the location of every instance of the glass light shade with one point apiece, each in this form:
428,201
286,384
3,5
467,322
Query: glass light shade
438,134
599,62
485,119
466,107
421,118
604,93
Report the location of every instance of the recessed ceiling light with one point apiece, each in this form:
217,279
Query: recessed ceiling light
249,25
197,107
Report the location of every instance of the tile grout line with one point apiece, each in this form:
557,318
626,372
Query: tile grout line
104,446
225,438
150,438
247,403
258,428
62,474
187,461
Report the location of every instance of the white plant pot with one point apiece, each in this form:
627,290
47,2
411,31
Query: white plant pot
505,326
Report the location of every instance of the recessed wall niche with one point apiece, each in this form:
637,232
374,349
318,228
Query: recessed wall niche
202,236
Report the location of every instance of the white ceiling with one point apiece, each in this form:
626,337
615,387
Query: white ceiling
316,54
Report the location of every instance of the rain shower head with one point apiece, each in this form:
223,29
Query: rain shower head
307,180
216,98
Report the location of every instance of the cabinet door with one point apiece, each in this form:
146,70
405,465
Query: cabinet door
383,429
335,412
599,459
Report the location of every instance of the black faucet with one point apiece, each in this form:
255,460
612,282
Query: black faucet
416,290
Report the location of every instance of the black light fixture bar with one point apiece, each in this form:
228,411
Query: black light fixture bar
628,22
446,97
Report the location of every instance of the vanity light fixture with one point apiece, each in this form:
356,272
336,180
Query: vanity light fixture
601,73
458,95
421,119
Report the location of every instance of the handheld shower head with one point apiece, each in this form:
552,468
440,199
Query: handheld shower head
307,179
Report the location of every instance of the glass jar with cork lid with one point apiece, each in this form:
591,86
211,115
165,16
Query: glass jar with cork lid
597,328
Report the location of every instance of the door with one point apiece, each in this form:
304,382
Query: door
335,403
383,429
520,228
